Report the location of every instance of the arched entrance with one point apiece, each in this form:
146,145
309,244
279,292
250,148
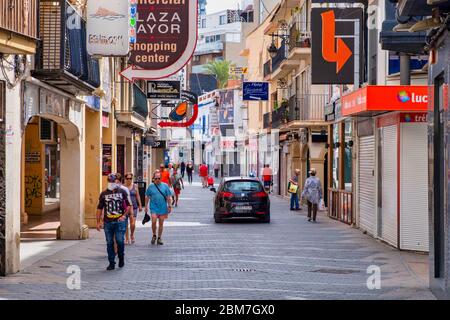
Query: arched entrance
52,185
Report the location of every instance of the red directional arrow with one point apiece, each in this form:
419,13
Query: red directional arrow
332,52
167,124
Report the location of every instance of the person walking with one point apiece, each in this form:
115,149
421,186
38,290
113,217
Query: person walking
120,181
203,173
177,184
136,202
267,177
183,168
313,194
216,170
165,174
114,207
190,171
293,189
158,200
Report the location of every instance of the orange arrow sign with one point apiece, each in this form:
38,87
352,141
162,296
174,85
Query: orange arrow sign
331,52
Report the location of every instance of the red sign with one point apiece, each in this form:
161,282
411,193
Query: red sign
166,37
385,98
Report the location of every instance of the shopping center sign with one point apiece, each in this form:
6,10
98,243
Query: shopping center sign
166,37
385,98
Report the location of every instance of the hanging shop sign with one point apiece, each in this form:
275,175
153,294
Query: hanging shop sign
166,37
159,144
108,27
337,43
255,91
385,98
164,90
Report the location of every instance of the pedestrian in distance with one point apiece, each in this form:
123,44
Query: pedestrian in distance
267,177
114,206
120,181
313,194
216,170
183,168
203,173
136,202
190,171
165,174
158,200
293,189
210,182
177,184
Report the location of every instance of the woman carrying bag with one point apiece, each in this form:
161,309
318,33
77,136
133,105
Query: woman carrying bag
293,190
313,194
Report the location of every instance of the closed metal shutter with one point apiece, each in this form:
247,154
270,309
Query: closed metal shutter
414,187
366,191
389,182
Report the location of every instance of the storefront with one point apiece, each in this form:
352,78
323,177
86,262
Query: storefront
392,163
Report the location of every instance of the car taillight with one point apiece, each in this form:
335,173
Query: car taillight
261,194
225,195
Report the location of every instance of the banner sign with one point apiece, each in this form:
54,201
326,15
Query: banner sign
256,91
108,28
337,43
164,90
166,37
159,144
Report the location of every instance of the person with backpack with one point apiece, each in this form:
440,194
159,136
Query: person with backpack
177,183
158,199
313,194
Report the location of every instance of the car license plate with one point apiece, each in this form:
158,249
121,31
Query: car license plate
243,208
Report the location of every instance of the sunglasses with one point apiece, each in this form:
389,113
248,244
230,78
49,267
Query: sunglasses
157,178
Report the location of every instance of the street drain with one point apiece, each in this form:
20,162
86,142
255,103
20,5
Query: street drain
244,270
45,267
336,271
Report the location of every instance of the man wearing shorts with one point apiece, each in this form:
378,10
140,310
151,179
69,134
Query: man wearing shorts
158,199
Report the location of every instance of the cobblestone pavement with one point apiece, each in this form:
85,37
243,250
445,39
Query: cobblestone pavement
289,258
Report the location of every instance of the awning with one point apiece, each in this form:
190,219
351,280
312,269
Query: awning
385,98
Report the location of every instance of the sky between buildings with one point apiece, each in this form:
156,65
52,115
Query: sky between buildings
218,5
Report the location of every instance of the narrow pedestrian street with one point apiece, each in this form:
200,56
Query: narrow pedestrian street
289,258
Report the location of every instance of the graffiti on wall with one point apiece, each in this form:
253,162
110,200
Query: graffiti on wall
33,189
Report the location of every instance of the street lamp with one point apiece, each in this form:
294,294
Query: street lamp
272,49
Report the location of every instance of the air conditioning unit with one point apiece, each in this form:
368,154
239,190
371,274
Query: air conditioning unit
47,131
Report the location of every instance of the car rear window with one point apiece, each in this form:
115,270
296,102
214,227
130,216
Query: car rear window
243,186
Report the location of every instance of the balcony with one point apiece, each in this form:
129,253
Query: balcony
303,111
136,115
281,65
208,48
299,41
18,26
62,60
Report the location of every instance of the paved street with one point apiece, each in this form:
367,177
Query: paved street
289,258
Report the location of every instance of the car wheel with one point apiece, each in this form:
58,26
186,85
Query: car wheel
217,219
266,219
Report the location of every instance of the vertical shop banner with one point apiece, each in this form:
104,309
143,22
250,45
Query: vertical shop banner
226,107
166,37
107,159
108,27
337,45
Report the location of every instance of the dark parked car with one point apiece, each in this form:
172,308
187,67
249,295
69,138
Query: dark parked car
241,197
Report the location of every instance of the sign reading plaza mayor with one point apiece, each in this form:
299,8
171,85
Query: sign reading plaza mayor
108,27
166,37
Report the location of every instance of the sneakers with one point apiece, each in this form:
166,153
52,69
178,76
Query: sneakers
121,262
111,266
153,240
160,242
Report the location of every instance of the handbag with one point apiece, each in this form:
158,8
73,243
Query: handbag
292,188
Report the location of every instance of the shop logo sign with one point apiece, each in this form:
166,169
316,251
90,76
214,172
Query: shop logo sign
333,49
403,96
166,37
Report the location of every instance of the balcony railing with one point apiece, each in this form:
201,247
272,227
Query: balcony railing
299,35
280,57
267,68
267,120
280,116
19,16
62,59
307,107
210,47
